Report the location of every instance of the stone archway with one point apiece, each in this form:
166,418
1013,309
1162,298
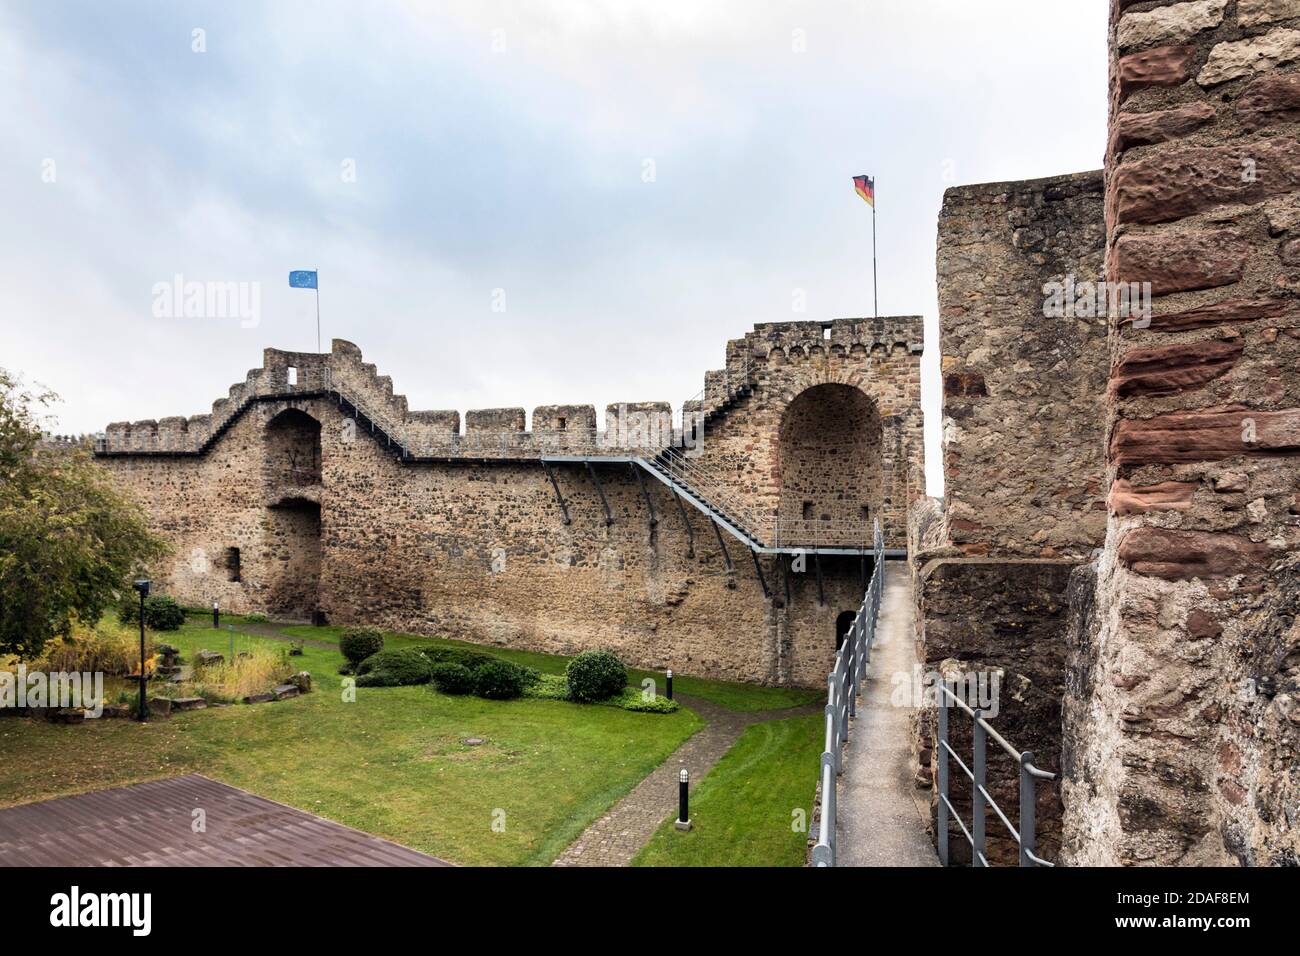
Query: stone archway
292,528
832,481
292,450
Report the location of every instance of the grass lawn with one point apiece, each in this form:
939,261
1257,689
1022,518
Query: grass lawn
742,809
733,696
392,763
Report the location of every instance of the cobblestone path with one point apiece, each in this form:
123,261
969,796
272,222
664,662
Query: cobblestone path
628,825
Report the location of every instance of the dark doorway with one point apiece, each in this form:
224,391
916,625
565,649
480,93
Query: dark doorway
293,560
843,623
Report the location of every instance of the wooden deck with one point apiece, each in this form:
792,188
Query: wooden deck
150,824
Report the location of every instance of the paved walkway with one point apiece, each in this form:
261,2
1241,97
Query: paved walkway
154,824
880,813
628,825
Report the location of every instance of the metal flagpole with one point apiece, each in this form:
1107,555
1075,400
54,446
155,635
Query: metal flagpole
875,292
319,299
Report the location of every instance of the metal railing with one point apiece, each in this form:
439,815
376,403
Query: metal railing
766,529
699,405
712,490
843,686
980,797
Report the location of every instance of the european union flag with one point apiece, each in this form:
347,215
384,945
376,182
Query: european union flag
302,279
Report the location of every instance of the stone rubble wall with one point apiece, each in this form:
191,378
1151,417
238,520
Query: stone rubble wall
880,357
1023,440
1024,461
470,542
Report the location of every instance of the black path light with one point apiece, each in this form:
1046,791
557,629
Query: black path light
216,616
683,800
670,683
142,585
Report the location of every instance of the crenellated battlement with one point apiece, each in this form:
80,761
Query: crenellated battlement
63,443
344,376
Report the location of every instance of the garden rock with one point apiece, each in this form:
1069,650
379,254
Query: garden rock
160,706
302,681
67,715
258,699
285,691
205,658
188,703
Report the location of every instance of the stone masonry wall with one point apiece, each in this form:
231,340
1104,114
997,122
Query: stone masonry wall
1024,456
1023,444
394,517
1185,752
879,357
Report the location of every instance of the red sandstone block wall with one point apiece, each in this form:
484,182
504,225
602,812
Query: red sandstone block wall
1186,746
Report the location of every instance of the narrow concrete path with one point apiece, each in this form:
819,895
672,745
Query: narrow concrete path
628,825
881,816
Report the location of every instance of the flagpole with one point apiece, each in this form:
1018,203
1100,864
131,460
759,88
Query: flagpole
875,292
318,303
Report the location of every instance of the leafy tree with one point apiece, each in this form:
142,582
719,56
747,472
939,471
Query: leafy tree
70,541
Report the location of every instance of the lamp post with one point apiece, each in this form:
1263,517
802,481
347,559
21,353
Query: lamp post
142,585
683,821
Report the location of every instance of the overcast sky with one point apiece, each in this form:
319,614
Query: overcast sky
423,155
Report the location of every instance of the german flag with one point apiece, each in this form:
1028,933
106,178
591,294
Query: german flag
866,187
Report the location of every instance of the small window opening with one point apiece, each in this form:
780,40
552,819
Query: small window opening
293,375
807,510
563,423
826,332
866,513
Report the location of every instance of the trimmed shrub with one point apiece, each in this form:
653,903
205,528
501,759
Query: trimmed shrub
595,675
160,613
451,678
358,643
632,700
398,667
548,687
256,618
470,660
499,680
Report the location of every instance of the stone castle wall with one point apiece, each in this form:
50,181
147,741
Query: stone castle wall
1024,461
1023,442
1181,722
284,500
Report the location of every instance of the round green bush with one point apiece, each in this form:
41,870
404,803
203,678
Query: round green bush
358,643
453,678
160,613
595,675
163,614
499,680
394,668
